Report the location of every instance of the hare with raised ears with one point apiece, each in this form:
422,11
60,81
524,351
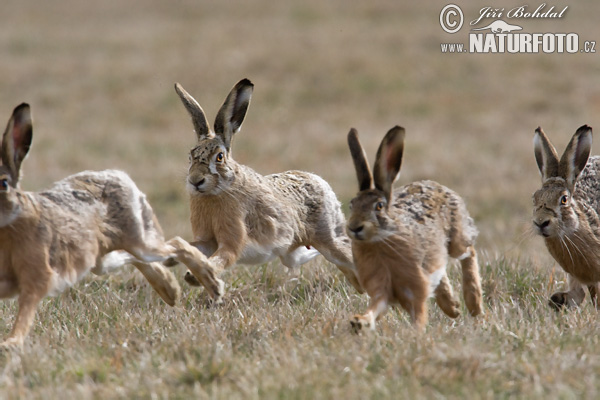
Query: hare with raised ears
401,239
240,216
51,239
566,212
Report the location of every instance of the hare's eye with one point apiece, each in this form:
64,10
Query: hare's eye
220,157
564,200
379,206
3,184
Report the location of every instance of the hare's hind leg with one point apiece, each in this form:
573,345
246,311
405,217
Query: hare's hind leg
338,251
161,280
147,258
471,281
199,266
444,297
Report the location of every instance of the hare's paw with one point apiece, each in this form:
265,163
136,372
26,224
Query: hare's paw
360,323
191,279
12,343
170,262
560,300
219,292
216,287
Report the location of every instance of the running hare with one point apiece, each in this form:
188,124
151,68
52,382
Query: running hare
566,212
401,240
51,239
240,216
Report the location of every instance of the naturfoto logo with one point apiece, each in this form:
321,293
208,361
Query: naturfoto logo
508,37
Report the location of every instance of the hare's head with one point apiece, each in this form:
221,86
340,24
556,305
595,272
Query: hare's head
553,204
370,218
210,170
15,146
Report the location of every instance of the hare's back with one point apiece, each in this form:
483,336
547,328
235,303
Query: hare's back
587,188
427,203
92,191
300,187
422,199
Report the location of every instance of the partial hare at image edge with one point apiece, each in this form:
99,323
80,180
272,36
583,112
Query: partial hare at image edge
402,239
51,239
566,213
240,216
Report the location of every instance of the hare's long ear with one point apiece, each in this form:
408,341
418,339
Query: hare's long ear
363,172
389,160
17,140
232,112
195,111
545,155
576,155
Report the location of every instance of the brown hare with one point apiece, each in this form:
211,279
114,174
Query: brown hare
401,239
566,212
240,216
51,239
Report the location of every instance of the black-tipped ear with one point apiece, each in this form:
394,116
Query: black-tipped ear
545,155
17,140
233,111
389,160
576,155
363,172
195,111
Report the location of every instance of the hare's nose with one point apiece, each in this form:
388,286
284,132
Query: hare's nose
356,231
542,224
199,182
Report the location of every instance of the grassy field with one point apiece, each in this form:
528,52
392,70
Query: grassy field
99,77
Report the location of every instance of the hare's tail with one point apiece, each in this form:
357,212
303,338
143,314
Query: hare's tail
471,282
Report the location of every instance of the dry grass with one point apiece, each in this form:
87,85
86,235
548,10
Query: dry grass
100,80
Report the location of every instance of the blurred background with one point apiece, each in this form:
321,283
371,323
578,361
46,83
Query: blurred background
99,76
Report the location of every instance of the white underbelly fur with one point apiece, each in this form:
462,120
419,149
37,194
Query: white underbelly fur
435,278
59,283
255,253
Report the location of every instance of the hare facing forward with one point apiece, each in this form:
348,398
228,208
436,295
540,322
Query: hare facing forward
401,239
51,239
240,216
566,212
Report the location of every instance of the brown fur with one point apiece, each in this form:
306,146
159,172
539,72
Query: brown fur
565,212
91,221
401,241
240,216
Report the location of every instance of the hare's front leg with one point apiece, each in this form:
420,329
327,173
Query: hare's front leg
594,289
418,312
377,308
32,290
571,298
